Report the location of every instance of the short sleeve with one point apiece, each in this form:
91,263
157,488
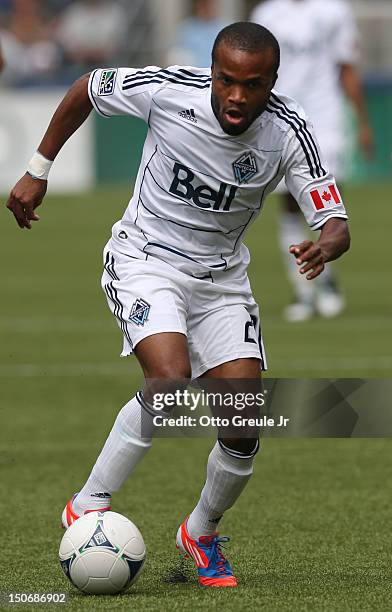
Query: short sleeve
345,36
124,91
309,181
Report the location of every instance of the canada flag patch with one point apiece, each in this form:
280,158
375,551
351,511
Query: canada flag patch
325,196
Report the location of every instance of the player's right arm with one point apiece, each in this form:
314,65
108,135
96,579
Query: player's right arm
29,192
112,92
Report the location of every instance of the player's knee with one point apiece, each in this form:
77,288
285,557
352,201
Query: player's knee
165,380
169,371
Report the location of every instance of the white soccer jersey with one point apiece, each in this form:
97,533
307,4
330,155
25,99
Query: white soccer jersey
199,189
316,37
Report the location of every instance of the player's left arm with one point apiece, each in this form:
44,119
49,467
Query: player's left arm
352,86
315,190
333,242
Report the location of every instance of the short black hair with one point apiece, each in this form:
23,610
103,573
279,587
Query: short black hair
248,36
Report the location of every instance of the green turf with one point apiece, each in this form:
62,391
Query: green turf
310,532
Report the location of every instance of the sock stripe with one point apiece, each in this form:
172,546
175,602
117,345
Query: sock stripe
145,405
238,454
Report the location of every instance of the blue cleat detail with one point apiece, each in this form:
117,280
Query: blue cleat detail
212,567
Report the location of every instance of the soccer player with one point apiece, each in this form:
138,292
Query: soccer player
319,46
219,141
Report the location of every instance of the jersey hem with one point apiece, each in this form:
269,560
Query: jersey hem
128,350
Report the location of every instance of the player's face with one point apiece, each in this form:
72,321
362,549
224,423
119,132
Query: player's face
241,86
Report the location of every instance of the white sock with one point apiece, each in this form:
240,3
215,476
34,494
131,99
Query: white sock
326,277
226,478
293,231
123,450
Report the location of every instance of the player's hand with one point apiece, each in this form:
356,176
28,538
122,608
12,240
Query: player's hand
308,254
24,198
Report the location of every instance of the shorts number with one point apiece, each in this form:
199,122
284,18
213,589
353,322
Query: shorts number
248,325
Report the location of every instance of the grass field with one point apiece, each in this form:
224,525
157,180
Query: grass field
311,532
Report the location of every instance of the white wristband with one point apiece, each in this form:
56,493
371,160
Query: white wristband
39,166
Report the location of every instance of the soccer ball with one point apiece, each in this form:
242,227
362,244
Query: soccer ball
102,553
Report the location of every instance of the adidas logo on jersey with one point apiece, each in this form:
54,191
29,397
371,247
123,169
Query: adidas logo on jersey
188,114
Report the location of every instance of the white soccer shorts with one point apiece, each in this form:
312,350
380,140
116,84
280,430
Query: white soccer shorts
218,315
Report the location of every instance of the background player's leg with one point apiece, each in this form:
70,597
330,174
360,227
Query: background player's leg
162,356
230,463
322,296
293,231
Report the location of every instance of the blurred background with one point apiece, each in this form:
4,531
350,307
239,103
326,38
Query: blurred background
46,44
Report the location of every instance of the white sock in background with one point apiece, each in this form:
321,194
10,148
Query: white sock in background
293,231
123,450
227,477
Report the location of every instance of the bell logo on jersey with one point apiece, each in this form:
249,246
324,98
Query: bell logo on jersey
107,82
202,196
323,197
